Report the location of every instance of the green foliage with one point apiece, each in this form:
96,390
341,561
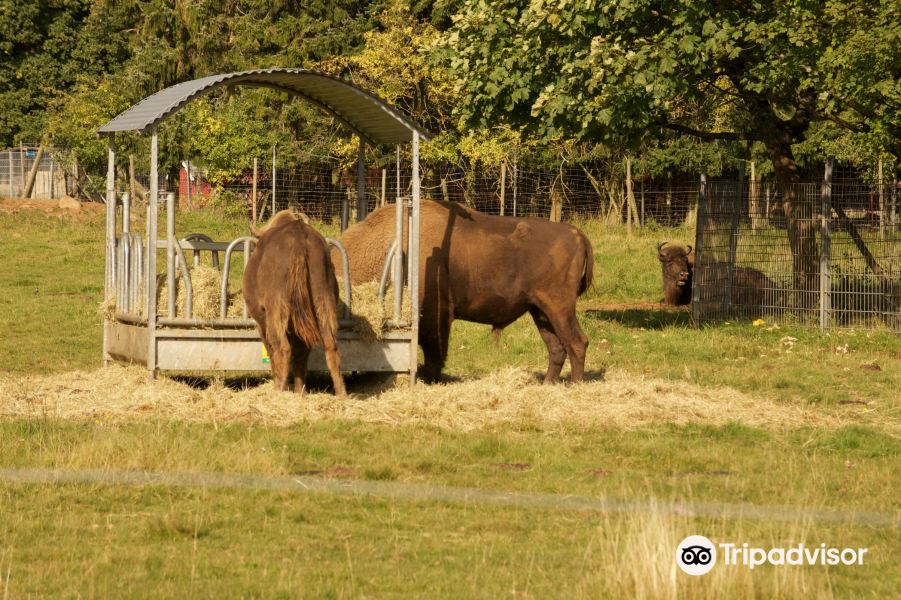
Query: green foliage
621,71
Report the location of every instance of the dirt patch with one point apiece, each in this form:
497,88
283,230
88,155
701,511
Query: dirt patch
51,208
509,396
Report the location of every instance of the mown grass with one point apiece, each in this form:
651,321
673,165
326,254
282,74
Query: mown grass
87,540
166,541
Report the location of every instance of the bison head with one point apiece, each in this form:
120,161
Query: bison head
677,263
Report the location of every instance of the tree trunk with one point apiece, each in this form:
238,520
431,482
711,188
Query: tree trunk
800,223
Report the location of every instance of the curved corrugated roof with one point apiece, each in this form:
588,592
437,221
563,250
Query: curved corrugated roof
364,113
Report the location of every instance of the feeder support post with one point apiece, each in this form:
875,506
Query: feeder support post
414,262
361,181
152,213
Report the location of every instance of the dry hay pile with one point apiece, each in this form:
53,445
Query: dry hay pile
511,396
369,315
205,285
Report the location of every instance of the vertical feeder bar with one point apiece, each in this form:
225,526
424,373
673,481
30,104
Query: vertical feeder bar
825,244
361,181
109,284
170,255
696,279
128,279
190,203
398,271
152,210
414,263
246,260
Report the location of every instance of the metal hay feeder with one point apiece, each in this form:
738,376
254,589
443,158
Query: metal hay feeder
186,343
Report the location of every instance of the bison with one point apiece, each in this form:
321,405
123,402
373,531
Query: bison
677,263
291,292
486,269
750,287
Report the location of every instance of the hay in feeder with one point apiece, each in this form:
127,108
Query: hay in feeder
205,285
369,315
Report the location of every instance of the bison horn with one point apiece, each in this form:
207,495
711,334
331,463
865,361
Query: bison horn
660,245
689,249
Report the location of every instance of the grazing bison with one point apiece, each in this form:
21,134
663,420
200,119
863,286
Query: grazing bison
291,292
486,269
750,287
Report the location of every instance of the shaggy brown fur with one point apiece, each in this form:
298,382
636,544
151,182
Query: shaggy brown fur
486,269
677,268
292,294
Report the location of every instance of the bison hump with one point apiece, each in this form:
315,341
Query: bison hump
521,231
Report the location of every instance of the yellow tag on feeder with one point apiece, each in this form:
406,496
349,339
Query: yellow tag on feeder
265,356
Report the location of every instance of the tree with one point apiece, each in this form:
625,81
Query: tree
627,69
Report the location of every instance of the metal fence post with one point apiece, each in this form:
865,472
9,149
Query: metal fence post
825,244
699,244
12,177
272,210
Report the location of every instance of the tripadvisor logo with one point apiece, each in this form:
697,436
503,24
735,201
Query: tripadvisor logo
696,555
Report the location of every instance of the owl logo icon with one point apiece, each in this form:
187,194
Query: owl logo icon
696,555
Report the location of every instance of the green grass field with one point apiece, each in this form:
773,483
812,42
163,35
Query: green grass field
102,537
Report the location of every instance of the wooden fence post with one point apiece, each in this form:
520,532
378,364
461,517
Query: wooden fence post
383,195
556,208
33,172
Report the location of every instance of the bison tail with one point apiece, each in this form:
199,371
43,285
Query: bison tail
303,311
588,270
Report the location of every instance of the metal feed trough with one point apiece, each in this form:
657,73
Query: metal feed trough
134,332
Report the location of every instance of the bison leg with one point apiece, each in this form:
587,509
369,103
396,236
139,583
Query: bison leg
333,360
436,318
574,340
556,353
280,358
300,354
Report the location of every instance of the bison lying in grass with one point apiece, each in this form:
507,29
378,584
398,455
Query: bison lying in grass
291,292
486,269
750,287
674,260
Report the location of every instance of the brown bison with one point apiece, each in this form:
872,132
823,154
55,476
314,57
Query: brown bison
291,292
486,269
677,267
750,287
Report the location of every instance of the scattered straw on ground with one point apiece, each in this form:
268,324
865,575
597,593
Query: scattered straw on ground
509,396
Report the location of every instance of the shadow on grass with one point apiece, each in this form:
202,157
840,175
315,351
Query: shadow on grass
648,318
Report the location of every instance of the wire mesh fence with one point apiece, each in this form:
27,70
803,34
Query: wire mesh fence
322,191
50,180
825,254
